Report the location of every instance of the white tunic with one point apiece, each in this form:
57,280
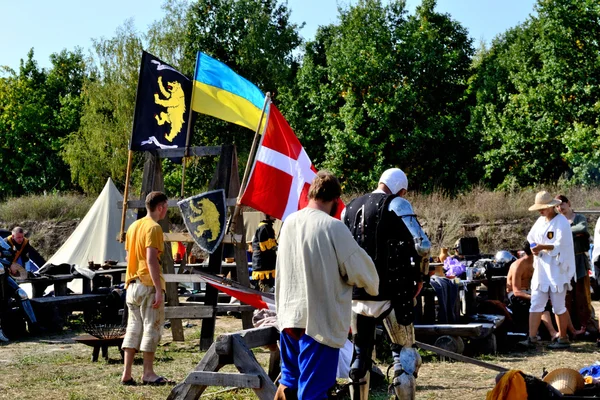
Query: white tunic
318,263
596,252
554,269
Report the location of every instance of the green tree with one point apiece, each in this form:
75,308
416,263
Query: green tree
98,149
37,109
257,40
386,89
537,91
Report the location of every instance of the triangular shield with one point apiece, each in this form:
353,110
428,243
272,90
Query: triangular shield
204,216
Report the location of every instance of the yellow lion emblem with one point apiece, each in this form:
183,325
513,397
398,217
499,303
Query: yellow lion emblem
175,105
208,216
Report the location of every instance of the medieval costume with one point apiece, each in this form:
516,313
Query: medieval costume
386,227
264,255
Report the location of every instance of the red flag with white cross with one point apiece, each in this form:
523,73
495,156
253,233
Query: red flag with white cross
282,171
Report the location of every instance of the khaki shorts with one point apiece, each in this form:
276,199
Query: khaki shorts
144,323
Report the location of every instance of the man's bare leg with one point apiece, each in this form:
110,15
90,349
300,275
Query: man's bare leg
535,318
563,320
128,356
149,375
547,320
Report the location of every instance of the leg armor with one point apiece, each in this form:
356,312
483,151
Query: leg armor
23,299
407,360
363,329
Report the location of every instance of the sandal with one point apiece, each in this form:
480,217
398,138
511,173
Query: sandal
129,382
160,381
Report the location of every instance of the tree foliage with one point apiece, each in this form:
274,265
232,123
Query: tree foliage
37,109
254,38
384,88
537,91
98,149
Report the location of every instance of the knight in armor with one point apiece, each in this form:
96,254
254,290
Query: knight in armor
10,289
384,224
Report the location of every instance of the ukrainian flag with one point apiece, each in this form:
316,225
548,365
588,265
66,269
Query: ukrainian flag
223,94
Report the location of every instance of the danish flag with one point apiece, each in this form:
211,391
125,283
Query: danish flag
282,171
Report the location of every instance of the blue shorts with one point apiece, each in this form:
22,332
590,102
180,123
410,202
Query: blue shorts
307,366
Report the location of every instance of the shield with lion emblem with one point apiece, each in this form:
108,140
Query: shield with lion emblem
204,216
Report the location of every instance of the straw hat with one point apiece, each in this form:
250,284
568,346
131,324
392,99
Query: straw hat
21,272
543,200
565,380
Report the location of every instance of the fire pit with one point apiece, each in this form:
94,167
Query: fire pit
103,331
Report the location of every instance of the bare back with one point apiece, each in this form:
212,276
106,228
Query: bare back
520,274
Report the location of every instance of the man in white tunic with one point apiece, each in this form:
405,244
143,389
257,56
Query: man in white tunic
554,266
318,263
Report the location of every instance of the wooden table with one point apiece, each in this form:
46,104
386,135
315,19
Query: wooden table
98,344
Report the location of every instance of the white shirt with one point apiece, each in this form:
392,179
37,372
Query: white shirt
554,269
318,263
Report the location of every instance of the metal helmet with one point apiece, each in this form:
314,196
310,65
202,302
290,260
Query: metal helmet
504,256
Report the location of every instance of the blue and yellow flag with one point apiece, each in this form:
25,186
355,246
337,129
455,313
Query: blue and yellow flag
223,94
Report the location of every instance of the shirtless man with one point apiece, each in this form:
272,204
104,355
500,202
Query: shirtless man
518,283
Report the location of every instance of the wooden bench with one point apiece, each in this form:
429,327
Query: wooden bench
70,299
52,311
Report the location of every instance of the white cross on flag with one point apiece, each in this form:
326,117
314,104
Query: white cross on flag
282,172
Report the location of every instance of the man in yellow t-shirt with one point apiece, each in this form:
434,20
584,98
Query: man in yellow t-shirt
145,290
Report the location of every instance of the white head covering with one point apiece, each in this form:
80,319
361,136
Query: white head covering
395,179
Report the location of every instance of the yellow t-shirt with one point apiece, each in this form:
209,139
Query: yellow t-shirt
142,234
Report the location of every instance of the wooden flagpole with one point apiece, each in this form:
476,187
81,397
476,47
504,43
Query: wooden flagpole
249,164
189,130
121,237
125,194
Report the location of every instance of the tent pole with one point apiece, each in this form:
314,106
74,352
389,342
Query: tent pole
236,211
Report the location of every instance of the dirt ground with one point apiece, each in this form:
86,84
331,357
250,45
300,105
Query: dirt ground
56,367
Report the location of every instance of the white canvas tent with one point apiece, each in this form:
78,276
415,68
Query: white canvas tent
95,238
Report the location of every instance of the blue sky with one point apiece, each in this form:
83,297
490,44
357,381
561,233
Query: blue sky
52,25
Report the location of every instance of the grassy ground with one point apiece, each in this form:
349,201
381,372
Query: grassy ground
56,367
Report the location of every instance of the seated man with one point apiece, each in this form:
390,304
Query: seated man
21,247
10,288
518,283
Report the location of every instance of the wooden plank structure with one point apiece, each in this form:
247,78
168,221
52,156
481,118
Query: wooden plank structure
226,177
234,348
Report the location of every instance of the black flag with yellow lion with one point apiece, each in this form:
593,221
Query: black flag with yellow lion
204,216
161,108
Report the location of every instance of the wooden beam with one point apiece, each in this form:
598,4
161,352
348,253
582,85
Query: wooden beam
189,312
198,277
172,203
178,237
198,151
223,379
251,338
246,363
185,391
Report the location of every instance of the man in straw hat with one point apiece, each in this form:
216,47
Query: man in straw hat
554,265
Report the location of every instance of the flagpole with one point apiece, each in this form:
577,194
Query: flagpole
189,129
249,163
121,237
125,194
